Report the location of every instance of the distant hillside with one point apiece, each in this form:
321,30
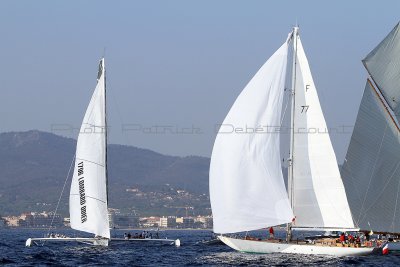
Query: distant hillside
34,165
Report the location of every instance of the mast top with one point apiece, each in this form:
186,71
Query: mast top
296,30
293,33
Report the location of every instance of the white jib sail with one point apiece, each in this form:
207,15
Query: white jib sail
319,195
246,185
88,195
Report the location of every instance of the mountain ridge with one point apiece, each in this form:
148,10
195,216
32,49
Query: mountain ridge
34,165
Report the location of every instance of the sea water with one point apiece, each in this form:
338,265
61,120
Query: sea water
191,253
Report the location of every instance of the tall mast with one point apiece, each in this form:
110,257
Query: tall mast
105,124
291,149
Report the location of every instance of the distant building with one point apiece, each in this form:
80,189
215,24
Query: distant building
204,222
150,221
2,223
43,219
188,222
12,221
168,222
208,223
111,215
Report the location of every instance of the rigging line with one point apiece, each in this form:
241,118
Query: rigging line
114,99
116,108
372,173
340,211
62,191
354,185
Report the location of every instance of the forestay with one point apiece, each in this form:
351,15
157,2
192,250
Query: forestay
246,185
319,195
88,195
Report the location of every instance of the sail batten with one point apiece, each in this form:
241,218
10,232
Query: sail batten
88,194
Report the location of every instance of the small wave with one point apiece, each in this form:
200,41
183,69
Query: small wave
277,259
6,261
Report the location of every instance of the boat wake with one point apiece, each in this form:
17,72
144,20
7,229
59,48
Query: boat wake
275,259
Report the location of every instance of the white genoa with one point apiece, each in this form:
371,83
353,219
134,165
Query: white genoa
265,247
247,191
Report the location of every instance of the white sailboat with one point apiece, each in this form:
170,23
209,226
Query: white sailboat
247,189
88,201
371,171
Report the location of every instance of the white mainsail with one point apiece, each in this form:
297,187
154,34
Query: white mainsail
383,64
247,191
371,171
319,195
88,195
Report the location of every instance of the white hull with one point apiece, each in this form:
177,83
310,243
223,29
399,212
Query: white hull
176,242
98,241
252,246
93,241
394,246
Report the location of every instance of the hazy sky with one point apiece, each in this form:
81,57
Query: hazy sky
175,64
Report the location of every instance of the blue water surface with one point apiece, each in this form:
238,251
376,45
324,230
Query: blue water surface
191,253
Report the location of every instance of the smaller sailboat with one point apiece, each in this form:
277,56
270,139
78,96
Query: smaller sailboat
247,189
88,200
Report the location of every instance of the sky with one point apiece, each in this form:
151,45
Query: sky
174,68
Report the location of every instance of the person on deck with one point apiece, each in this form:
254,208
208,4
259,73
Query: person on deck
351,239
358,240
367,236
271,232
342,238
